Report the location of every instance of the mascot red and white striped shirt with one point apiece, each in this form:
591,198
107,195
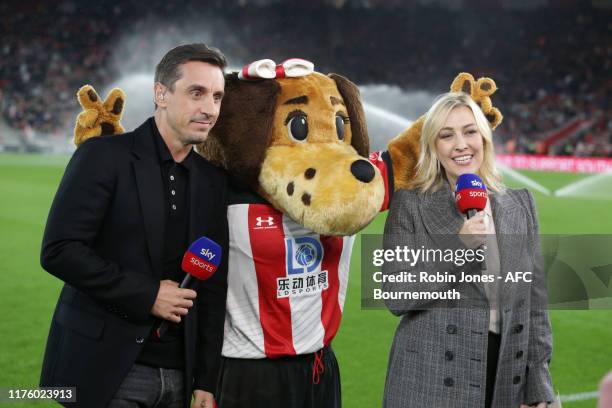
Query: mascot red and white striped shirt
286,284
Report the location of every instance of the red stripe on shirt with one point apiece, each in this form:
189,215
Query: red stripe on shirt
331,313
268,248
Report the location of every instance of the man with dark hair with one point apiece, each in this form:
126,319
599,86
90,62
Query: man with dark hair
125,212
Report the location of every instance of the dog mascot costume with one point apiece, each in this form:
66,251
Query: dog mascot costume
295,143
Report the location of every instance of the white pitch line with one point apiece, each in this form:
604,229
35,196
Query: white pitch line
523,179
587,181
581,396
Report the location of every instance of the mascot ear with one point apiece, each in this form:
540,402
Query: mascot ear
239,139
352,100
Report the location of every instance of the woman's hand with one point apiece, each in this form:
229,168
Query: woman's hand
473,232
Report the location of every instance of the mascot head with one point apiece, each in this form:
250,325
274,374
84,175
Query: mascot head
299,139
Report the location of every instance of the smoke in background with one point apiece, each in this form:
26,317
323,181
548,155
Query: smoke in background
388,108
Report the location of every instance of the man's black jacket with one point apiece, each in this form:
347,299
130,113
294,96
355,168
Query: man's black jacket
104,238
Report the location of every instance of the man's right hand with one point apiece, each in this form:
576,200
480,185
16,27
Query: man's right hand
172,302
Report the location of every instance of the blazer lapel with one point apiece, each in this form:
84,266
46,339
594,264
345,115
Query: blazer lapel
439,212
509,224
150,193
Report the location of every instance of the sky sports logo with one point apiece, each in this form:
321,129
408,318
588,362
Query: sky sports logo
202,258
471,194
469,181
202,264
476,183
207,253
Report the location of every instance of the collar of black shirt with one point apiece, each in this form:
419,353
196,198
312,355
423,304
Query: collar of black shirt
163,153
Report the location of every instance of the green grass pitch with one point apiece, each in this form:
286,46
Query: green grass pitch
582,339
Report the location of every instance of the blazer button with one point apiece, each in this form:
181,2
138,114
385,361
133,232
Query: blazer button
516,380
449,382
449,355
451,329
519,354
139,340
518,328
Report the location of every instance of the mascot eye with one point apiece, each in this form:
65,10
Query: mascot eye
340,121
297,127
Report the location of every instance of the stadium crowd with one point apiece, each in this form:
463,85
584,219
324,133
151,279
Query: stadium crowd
553,65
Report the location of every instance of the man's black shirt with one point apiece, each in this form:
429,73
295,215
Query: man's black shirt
170,350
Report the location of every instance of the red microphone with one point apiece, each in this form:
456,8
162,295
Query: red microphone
470,194
200,262
471,197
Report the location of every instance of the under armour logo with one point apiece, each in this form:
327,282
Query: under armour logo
269,221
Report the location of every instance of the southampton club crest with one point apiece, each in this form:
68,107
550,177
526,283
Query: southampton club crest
303,267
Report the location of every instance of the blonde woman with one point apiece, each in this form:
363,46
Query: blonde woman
492,347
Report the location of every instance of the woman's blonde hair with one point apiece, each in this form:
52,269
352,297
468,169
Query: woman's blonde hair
429,172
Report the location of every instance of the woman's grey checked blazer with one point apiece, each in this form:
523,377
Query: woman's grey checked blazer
438,356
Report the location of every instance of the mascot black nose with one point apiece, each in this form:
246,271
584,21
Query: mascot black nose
363,170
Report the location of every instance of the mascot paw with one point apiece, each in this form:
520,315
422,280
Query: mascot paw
480,91
98,118
404,151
